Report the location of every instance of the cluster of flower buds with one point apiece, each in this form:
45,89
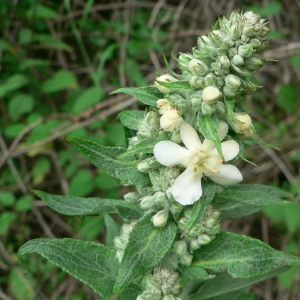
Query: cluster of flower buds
242,124
162,285
201,234
122,240
170,119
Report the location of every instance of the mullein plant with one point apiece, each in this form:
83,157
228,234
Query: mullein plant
181,158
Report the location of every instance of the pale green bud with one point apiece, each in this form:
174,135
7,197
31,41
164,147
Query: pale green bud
176,208
211,94
204,239
152,119
160,219
208,109
147,202
232,52
184,59
186,259
245,39
132,197
182,223
255,43
248,30
225,62
245,50
180,247
238,60
196,82
176,289
251,18
155,179
167,78
220,107
196,100
126,229
194,245
147,164
235,32
246,133
120,242
198,67
232,81
210,79
160,198
220,81
253,63
211,222
264,31
172,172
187,212
216,214
169,297
214,230
229,92
176,137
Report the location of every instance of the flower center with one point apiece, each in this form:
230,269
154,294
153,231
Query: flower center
201,159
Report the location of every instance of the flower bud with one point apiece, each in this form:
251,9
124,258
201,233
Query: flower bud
245,50
180,247
241,121
147,164
220,107
210,222
186,259
229,92
210,79
255,43
194,245
225,62
152,119
167,79
208,109
147,202
196,82
133,142
264,31
160,219
170,120
163,105
248,30
251,17
198,67
184,59
176,288
204,239
160,199
176,208
247,133
126,229
132,197
176,137
182,223
238,60
172,172
211,94
232,81
232,52
253,63
168,297
235,32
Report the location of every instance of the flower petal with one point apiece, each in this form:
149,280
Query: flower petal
230,150
222,130
227,175
189,136
171,154
187,187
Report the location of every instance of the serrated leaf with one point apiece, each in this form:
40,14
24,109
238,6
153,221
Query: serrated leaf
106,158
92,263
208,126
199,208
148,95
147,245
60,81
241,256
77,206
131,118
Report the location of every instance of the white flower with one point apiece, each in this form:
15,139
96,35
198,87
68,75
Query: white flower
211,94
199,159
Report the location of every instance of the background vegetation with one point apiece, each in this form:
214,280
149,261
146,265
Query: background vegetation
60,60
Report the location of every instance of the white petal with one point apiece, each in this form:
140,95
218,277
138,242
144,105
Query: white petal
170,154
230,150
189,136
227,175
222,130
187,187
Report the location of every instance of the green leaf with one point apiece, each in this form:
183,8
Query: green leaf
87,99
180,84
60,81
131,118
24,203
145,146
82,184
235,295
270,9
199,208
194,272
147,245
7,198
43,12
106,159
241,256
209,128
288,97
6,219
295,60
92,263
229,104
112,229
19,105
223,283
48,41
30,62
148,95
77,206
14,130
13,83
